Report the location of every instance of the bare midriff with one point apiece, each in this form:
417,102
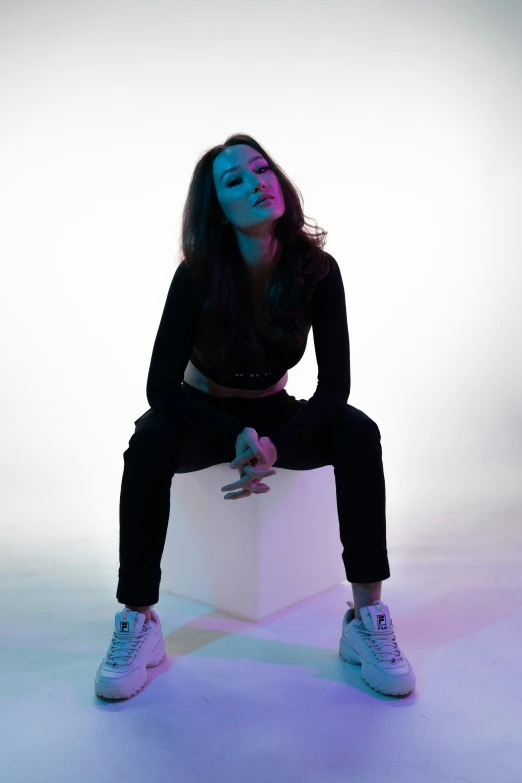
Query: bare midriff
199,381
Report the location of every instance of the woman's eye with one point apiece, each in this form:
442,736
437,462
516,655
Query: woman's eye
234,181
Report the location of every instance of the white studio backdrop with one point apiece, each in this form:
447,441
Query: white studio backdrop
400,122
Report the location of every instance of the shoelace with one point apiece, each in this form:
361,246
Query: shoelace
124,646
380,640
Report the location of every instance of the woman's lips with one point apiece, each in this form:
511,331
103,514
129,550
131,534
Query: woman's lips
265,201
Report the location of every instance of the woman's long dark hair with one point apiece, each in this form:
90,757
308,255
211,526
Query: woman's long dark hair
211,254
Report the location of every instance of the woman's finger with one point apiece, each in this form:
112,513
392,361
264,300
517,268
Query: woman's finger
245,493
249,477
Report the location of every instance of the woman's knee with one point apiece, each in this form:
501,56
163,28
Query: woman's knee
355,421
157,422
155,432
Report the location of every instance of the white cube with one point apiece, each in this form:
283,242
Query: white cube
253,556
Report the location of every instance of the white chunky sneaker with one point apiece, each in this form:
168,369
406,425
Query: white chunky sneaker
372,643
135,647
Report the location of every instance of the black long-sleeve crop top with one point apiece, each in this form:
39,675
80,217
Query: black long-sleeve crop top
176,342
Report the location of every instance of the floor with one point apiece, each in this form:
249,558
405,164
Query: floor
270,701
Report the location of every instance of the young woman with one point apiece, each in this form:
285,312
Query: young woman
250,285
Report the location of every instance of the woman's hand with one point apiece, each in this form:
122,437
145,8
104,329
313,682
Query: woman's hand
260,454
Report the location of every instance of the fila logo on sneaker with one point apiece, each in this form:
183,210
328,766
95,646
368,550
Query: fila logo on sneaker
381,622
124,627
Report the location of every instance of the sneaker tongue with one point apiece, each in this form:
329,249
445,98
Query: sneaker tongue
129,622
376,618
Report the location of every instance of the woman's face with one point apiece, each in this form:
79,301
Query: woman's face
238,190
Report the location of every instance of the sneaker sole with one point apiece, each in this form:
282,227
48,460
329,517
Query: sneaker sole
399,689
124,690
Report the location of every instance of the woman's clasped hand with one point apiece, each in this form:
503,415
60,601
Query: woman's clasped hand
254,459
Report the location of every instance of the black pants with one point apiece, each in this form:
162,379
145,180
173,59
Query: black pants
159,448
